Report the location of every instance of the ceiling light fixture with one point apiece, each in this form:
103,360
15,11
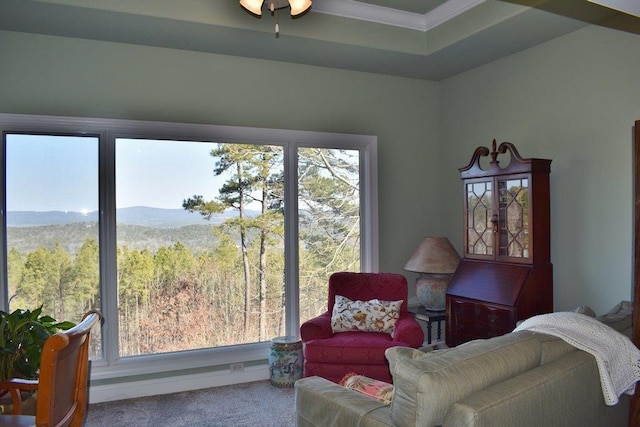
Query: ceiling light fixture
298,7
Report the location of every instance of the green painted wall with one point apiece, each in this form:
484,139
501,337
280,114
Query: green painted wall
64,76
573,100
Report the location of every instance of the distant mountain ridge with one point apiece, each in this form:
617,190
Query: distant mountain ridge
138,215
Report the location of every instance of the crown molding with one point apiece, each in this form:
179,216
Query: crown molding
367,12
630,7
398,18
447,11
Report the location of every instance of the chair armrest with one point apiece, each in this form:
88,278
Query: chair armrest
15,386
408,330
316,328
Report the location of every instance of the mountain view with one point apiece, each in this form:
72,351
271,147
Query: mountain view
138,227
137,215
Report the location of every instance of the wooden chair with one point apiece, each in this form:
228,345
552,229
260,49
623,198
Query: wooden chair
62,386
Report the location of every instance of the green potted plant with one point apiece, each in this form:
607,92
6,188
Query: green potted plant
22,336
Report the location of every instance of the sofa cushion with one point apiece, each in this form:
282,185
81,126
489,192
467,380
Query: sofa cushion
427,385
552,348
619,318
565,392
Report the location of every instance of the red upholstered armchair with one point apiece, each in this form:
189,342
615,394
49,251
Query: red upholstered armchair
332,355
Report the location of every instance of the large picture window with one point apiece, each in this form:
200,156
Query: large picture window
187,237
200,229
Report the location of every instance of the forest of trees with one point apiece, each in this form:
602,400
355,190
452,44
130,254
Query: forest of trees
231,289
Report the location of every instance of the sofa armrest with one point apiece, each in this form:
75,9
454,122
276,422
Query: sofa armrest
409,331
320,402
316,328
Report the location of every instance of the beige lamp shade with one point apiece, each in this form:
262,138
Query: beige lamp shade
434,255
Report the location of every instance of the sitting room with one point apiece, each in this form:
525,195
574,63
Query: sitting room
118,101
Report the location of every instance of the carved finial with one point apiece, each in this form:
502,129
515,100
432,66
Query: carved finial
494,153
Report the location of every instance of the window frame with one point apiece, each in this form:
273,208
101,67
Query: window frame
107,131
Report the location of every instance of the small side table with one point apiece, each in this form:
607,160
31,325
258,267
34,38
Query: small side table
424,315
285,361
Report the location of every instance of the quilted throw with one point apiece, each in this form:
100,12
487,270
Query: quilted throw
617,358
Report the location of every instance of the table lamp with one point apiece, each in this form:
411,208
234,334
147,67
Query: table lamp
436,260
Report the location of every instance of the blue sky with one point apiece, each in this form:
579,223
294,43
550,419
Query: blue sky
162,174
61,173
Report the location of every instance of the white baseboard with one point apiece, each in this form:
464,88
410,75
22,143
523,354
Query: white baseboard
175,384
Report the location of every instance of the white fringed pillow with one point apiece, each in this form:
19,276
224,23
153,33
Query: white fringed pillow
369,316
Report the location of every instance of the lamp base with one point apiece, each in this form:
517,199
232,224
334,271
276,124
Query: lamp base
431,290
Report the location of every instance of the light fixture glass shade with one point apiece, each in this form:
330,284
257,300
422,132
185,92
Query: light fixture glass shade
299,6
434,255
253,6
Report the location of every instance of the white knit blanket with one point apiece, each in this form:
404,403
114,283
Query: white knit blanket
618,359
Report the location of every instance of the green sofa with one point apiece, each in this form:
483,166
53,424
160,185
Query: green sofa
519,379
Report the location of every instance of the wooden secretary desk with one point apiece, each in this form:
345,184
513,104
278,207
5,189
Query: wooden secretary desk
506,273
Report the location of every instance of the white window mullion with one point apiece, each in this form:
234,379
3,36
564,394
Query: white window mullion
108,247
4,286
369,203
291,270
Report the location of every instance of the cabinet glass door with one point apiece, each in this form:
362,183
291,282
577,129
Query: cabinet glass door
513,214
479,205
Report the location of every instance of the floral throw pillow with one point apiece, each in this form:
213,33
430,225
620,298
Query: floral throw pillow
369,316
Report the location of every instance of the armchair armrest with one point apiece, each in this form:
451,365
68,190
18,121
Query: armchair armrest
408,330
316,328
15,386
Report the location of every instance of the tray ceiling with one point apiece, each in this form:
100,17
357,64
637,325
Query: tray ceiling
424,39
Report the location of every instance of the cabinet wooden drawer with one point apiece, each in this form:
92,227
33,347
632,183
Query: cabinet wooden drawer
481,320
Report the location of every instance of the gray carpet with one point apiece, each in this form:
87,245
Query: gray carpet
256,404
